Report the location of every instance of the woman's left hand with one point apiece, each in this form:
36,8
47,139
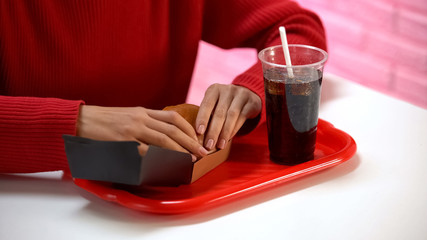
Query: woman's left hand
224,110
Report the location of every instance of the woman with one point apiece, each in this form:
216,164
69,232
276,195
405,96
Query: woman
103,69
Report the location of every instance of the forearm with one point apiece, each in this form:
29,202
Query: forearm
31,132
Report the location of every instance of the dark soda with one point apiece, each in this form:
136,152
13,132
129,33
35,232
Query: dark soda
292,106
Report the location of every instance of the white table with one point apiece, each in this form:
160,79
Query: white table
380,193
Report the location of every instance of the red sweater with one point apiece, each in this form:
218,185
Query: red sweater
55,55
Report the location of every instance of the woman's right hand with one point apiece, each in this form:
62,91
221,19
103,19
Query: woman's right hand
165,129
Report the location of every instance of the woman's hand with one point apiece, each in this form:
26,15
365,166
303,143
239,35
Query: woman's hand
225,108
165,129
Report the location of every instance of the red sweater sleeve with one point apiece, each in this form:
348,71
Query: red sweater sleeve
254,23
31,129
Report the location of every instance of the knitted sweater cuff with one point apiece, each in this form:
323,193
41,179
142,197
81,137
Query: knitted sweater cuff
31,129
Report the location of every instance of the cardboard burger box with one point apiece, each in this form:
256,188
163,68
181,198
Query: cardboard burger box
120,162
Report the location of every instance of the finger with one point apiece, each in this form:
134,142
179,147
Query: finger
240,121
142,148
175,119
250,110
206,107
233,115
171,136
217,120
154,137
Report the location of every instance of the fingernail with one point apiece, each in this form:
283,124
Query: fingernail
193,157
221,144
203,151
201,129
209,144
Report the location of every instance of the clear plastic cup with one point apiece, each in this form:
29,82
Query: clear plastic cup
292,103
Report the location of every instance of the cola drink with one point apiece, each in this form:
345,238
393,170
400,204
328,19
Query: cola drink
292,106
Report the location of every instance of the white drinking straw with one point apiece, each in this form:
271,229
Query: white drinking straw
286,51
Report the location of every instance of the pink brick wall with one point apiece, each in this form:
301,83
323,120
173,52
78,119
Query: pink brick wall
381,44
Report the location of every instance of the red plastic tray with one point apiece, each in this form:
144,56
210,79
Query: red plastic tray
247,171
